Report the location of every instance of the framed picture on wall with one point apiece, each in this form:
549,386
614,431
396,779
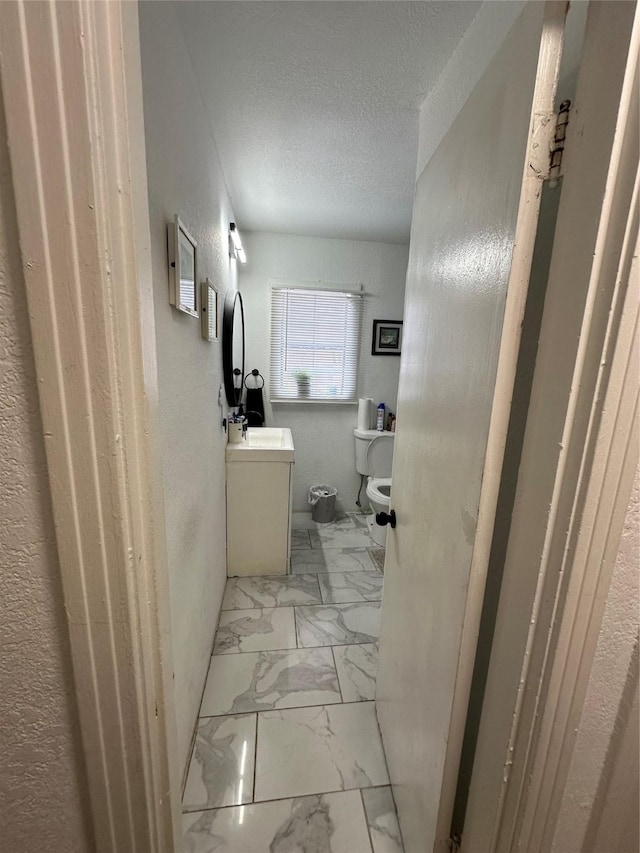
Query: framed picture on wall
183,269
387,337
209,310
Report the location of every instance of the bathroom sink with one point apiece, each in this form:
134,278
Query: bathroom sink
269,437
263,444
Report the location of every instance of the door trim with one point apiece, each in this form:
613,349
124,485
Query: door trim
578,461
602,443
541,129
71,84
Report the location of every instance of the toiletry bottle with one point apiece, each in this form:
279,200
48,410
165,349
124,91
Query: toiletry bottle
380,418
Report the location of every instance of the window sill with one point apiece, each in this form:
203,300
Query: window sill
314,401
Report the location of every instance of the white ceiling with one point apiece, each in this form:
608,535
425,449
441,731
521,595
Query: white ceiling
314,107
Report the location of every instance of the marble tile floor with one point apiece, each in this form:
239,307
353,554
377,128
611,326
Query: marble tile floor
341,559
287,756
377,554
342,521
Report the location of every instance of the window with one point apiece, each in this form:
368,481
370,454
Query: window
315,341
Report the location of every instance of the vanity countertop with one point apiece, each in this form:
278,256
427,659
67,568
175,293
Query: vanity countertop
263,444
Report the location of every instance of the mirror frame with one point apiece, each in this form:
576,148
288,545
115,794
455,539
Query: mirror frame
233,394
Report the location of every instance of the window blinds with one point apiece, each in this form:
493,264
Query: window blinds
315,341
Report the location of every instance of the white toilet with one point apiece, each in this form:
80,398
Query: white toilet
374,458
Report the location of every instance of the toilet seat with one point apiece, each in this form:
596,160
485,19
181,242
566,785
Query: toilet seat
380,455
379,489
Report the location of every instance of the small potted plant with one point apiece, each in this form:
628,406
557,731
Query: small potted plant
303,381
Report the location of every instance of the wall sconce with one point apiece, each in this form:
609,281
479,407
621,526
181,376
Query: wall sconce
235,244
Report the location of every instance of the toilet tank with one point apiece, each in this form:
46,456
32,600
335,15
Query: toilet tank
363,438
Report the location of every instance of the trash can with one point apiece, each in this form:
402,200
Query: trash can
323,503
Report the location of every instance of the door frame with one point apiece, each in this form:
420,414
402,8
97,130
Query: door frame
72,88
579,457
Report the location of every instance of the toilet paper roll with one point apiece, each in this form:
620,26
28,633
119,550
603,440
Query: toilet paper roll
365,407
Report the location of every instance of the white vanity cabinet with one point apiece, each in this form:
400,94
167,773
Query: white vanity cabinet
259,479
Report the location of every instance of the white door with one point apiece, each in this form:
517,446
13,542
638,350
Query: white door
472,238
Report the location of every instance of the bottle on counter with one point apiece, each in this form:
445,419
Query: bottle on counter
380,418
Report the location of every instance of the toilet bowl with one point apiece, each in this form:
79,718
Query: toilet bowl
374,459
379,494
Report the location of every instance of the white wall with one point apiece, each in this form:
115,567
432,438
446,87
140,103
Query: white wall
471,57
463,70
599,811
323,433
185,177
44,804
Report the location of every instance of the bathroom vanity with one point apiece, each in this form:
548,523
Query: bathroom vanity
259,478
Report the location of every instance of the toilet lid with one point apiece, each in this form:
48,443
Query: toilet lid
380,456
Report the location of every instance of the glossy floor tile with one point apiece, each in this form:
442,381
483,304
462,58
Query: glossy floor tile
222,764
341,537
377,555
290,687
340,587
357,667
255,630
304,521
314,750
327,823
300,539
338,624
260,681
271,591
382,820
331,560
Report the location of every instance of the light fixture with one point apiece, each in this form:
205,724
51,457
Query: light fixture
235,244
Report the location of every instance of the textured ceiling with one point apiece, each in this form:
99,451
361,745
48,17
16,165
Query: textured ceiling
314,106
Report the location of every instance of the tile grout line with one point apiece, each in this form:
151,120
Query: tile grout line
283,799
316,576
335,666
296,648
393,799
291,708
386,764
255,761
196,725
319,588
366,819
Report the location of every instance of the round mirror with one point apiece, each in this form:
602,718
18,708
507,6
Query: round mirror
233,347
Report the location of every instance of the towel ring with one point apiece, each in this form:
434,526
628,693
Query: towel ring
257,375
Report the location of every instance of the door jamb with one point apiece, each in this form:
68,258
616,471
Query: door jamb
585,535
71,83
521,768
541,130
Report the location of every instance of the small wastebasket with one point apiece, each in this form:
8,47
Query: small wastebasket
323,503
